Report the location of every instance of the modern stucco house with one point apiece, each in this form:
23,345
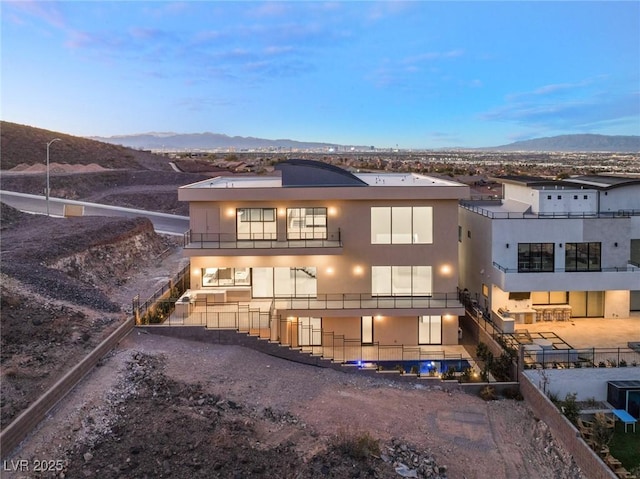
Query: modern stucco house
313,253
553,249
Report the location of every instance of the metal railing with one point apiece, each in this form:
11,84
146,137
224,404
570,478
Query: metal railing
630,267
341,350
237,316
367,301
267,241
511,215
581,358
179,282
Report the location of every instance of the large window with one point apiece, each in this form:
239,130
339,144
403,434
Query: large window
284,282
582,257
535,258
430,330
306,223
401,225
401,280
225,277
256,223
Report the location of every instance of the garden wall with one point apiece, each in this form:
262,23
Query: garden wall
591,465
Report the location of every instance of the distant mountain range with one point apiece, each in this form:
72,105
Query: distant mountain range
211,141
586,142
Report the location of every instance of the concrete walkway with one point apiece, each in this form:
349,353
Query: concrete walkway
592,332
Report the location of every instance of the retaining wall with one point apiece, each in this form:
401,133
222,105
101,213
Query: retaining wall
591,465
21,426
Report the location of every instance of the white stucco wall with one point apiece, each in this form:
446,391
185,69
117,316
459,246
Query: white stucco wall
585,382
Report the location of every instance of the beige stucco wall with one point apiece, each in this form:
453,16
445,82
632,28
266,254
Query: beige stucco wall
345,270
349,327
350,271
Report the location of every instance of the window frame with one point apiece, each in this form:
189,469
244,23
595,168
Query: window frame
388,281
574,252
398,231
255,218
318,231
536,257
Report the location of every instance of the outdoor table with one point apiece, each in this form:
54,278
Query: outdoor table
626,418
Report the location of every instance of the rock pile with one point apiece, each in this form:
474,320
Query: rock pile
409,462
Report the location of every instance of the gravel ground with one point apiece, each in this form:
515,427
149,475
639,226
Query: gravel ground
161,407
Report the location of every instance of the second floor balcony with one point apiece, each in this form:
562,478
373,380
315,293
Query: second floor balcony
624,277
268,243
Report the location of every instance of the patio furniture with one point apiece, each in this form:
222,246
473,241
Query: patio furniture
626,418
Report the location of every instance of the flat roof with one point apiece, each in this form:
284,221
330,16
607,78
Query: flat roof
370,179
597,182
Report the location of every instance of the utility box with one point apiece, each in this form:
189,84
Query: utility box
625,395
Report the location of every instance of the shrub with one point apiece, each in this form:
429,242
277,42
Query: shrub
466,375
356,446
488,393
569,407
602,432
482,350
501,367
512,393
450,373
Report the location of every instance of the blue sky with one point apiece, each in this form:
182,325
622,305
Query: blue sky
411,74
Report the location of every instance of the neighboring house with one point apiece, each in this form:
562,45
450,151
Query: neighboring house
369,258
553,249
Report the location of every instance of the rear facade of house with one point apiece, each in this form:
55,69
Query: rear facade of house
365,258
553,249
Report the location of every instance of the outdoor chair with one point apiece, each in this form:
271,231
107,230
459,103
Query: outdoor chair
612,462
622,473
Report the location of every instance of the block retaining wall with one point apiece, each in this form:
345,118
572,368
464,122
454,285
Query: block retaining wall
561,428
21,426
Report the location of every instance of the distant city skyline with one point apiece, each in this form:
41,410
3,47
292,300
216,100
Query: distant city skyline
385,74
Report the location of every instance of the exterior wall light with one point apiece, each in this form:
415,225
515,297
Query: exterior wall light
332,211
446,270
357,270
329,270
231,212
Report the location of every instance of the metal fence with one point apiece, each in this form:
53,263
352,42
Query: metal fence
477,208
178,284
331,239
367,301
581,358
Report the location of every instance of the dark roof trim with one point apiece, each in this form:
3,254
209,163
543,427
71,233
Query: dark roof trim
311,173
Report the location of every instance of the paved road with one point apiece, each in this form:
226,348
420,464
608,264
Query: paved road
162,222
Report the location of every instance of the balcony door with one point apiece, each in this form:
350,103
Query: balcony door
430,330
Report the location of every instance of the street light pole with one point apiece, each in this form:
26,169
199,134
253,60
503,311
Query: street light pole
47,190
